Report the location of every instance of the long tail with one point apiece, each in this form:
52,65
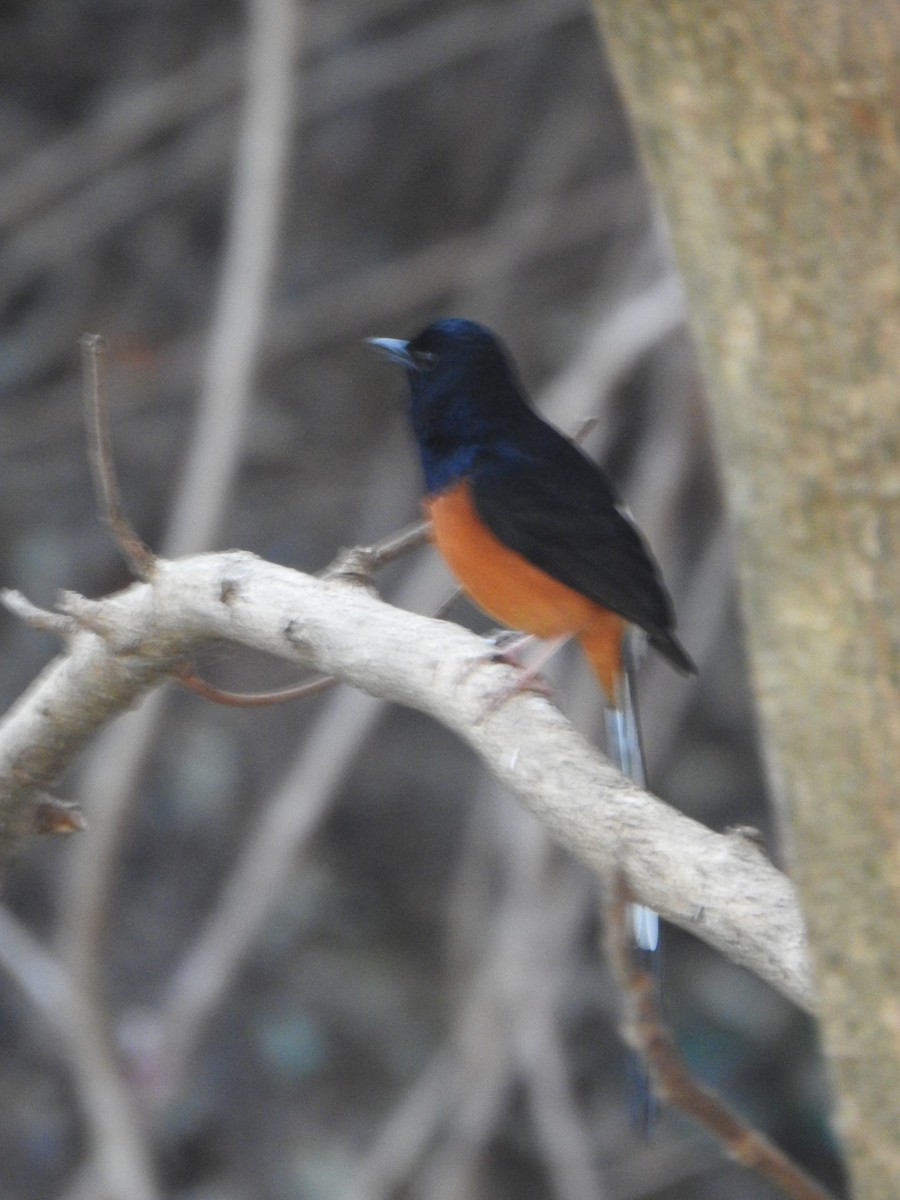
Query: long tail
624,747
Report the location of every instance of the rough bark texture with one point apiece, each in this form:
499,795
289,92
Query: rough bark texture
592,810
771,133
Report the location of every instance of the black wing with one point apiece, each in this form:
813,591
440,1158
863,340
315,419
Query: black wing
557,509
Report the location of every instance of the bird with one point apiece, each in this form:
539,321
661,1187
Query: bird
529,525
533,530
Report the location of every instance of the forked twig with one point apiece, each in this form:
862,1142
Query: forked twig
671,1078
140,558
62,625
94,355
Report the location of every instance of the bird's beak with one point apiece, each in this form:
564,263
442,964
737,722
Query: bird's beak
394,349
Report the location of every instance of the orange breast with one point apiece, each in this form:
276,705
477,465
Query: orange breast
513,591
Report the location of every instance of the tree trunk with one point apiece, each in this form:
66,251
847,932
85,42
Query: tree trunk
771,131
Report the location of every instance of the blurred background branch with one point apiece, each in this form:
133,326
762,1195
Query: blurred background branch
109,787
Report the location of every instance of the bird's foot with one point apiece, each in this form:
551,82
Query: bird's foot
529,678
506,645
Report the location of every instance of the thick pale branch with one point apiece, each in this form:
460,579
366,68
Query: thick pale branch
719,887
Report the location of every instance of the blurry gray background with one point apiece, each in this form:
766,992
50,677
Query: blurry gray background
332,960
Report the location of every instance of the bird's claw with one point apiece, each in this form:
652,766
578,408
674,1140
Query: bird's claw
528,680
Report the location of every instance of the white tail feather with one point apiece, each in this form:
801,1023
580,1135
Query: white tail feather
624,747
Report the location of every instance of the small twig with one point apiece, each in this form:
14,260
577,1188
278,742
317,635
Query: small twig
93,362
297,691
585,428
61,624
38,971
361,562
395,545
444,607
673,1081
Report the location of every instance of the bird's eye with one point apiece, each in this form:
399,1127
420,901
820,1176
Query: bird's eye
425,359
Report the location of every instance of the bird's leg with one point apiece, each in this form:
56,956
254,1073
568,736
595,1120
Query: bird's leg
509,642
529,678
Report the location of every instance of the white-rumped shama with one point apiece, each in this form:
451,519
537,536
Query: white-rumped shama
526,522
537,537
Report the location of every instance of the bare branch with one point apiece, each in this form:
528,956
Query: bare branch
719,887
235,338
230,363
406,1134
37,972
94,368
673,1080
